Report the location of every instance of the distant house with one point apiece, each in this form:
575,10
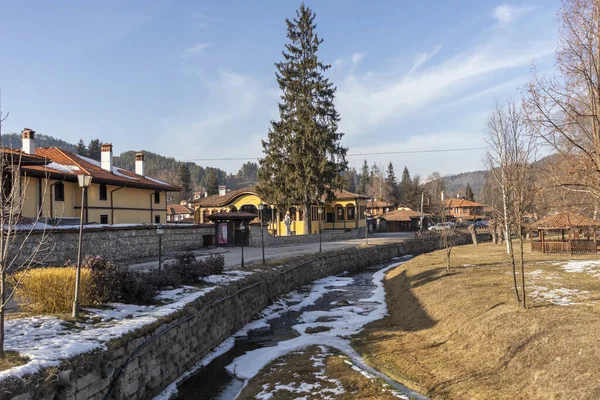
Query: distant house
403,220
377,207
179,213
463,210
116,196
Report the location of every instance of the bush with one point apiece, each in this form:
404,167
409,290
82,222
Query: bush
52,290
114,283
186,269
213,265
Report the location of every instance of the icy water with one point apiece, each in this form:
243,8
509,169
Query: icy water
214,381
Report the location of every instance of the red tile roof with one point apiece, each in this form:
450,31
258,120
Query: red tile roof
67,165
452,203
400,215
178,209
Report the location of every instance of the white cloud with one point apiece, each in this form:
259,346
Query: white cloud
422,58
358,57
506,13
196,49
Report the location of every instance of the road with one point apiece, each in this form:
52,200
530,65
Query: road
253,255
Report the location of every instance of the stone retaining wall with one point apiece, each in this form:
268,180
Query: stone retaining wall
327,236
160,353
116,243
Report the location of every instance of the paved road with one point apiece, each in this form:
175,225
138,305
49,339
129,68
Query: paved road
253,255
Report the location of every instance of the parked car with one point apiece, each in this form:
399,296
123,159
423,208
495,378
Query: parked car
442,226
482,224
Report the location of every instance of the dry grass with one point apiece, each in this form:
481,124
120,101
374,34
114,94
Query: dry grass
12,359
51,290
461,334
322,371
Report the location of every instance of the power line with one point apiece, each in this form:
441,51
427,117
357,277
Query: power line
349,155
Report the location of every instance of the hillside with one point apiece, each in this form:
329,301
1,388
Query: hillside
458,182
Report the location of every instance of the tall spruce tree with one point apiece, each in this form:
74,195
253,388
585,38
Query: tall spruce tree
391,185
469,193
94,149
303,156
405,188
185,178
80,148
211,181
364,182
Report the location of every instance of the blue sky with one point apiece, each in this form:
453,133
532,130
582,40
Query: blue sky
195,79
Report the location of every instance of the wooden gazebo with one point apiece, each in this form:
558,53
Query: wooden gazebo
580,238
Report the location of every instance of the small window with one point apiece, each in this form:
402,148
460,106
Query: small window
157,219
104,219
103,193
351,212
329,217
156,197
340,214
59,192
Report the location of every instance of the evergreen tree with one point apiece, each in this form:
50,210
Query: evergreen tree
405,188
211,182
303,156
94,149
80,148
391,185
350,178
185,179
469,193
364,182
248,172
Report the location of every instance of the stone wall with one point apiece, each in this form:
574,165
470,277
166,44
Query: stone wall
327,236
149,359
116,243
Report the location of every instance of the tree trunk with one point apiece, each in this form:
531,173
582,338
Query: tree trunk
473,234
307,217
2,310
522,260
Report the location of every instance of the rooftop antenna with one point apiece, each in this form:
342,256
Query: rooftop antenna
2,117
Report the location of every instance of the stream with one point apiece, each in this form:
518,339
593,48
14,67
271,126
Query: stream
345,303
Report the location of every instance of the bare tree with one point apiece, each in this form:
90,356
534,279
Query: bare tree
21,241
511,151
564,111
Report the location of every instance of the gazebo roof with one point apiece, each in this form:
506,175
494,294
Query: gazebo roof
564,220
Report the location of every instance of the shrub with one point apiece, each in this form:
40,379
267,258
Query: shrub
213,265
52,290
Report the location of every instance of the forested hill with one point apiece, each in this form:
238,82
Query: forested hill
456,184
14,140
157,166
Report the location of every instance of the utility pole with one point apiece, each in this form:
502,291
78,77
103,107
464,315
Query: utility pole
421,221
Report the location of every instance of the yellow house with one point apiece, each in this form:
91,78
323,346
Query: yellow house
346,211
116,196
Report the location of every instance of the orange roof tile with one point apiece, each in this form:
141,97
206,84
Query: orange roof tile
451,203
67,165
400,215
565,220
178,209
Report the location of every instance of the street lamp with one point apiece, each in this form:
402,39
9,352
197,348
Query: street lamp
160,231
84,183
261,207
367,224
320,211
243,230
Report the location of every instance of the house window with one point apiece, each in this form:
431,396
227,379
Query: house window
156,197
350,211
103,192
104,219
249,208
59,191
157,219
340,214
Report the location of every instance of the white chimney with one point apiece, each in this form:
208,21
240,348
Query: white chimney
222,190
28,139
106,157
443,196
140,166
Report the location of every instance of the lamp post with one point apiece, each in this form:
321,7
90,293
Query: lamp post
160,231
243,230
320,212
84,182
261,208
